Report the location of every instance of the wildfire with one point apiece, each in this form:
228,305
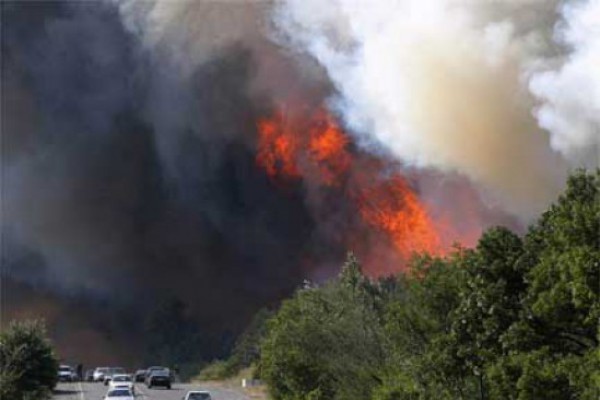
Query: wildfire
392,207
278,147
317,151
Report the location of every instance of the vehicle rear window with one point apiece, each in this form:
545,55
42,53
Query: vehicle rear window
199,396
119,393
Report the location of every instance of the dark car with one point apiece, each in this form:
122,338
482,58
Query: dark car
140,375
158,378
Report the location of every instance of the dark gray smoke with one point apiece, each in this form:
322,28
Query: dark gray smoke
127,184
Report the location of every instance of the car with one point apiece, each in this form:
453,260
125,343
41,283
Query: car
150,370
119,394
197,395
140,375
89,375
99,374
121,381
159,378
112,371
66,373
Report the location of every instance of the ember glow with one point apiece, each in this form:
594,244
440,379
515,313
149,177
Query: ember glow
313,149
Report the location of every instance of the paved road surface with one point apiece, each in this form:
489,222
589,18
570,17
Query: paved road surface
96,391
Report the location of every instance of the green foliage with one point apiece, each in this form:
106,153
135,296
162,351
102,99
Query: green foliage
247,347
417,325
217,370
28,365
245,353
514,318
327,342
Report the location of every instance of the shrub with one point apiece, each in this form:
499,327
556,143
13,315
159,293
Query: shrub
28,365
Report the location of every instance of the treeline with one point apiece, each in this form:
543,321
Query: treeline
28,363
514,318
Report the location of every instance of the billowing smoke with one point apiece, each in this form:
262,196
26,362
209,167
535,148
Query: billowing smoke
177,152
443,84
133,184
570,91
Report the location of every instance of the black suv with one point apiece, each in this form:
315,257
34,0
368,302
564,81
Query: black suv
158,377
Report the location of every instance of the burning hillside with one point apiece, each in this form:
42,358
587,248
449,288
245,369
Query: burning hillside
159,150
311,147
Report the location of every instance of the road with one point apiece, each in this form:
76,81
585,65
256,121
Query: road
96,391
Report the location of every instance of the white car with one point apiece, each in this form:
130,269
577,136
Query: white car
197,395
99,373
121,381
111,372
119,394
66,374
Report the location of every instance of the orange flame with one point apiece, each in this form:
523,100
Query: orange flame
316,150
277,148
392,207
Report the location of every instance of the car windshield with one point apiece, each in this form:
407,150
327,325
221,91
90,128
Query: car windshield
160,373
122,378
199,396
119,393
65,369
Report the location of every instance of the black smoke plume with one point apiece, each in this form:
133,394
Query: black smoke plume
125,188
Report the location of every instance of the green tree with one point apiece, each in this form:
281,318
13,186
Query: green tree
419,318
247,347
28,365
326,342
554,344
490,297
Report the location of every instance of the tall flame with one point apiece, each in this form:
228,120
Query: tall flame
316,150
393,208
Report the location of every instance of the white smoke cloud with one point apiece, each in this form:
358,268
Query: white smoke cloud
570,94
441,84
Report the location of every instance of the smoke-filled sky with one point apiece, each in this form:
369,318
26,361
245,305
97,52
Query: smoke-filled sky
178,149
